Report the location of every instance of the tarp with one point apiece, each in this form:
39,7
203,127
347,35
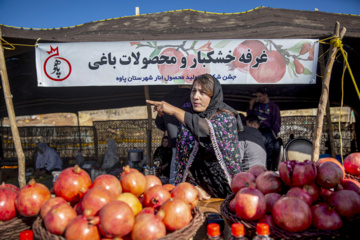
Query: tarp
232,61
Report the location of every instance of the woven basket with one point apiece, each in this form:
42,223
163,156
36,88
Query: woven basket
40,233
10,230
278,233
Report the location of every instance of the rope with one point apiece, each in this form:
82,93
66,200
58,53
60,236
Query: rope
16,44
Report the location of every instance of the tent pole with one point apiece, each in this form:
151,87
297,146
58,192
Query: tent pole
78,123
149,129
11,114
324,96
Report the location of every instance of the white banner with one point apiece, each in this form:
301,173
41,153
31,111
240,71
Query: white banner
232,61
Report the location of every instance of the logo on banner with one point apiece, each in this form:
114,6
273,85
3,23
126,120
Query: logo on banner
56,67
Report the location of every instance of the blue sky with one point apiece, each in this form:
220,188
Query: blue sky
65,13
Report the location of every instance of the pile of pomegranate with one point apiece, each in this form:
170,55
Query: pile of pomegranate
300,194
132,206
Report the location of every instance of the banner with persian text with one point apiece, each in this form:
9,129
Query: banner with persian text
232,61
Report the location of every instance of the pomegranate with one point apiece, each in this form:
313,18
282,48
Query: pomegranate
330,159
271,71
232,205
7,203
72,184
31,198
177,214
147,210
254,47
268,182
83,227
116,219
152,180
169,187
241,180
299,68
149,226
324,193
10,186
256,170
95,199
78,208
297,174
45,208
268,219
292,214
351,184
313,191
109,182
305,48
250,204
186,192
325,218
132,201
345,202
171,69
299,193
329,175
352,163
58,218
155,196
311,52
270,200
132,181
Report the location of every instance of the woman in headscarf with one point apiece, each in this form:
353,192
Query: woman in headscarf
111,156
207,152
164,154
47,160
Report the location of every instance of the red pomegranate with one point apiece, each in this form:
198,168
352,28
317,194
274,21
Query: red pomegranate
299,193
241,180
299,68
330,159
305,48
313,191
7,203
177,214
186,192
268,219
116,219
58,218
171,69
152,180
324,193
292,214
169,187
351,184
232,205
270,200
72,184
250,204
10,186
345,202
254,47
109,182
352,163
325,217
268,182
311,53
297,174
95,199
149,226
132,181
45,208
156,196
271,71
256,170
83,227
147,210
31,198
329,175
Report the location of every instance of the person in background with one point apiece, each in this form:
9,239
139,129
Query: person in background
267,111
179,97
269,142
79,158
207,147
47,160
252,149
111,156
164,154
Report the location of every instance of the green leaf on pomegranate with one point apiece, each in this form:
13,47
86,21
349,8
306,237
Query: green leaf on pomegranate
179,81
307,71
222,43
156,52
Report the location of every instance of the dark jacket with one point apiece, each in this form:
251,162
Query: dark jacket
269,142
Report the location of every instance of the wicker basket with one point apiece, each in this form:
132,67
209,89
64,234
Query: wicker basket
40,233
10,230
278,233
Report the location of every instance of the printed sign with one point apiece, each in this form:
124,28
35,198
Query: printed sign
232,61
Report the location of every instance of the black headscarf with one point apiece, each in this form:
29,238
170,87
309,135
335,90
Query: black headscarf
216,104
